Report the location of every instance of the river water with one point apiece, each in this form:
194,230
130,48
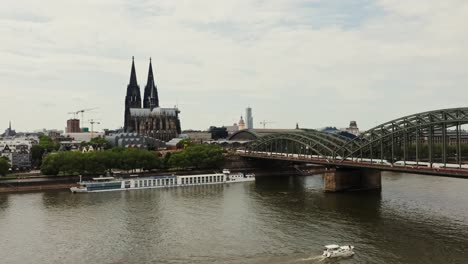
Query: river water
415,219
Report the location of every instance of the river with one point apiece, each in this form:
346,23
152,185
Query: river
415,219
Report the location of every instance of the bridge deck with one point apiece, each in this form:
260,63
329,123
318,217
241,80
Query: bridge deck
447,172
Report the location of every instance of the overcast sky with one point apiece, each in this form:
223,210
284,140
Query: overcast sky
317,62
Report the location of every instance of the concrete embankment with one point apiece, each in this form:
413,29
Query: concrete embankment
37,183
235,164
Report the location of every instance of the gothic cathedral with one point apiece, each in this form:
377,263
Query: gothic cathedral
151,120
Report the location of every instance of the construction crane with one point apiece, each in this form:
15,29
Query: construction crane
92,122
75,113
72,113
85,110
264,123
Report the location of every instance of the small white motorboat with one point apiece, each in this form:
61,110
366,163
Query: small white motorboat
335,251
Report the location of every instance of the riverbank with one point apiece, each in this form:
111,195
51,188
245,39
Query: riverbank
33,188
43,182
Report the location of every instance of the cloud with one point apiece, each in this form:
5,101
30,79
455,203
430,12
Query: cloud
314,62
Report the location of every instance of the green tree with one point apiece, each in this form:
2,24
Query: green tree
100,142
50,165
109,159
98,162
147,160
186,142
154,163
166,160
197,156
70,162
205,156
118,149
37,151
48,143
179,160
94,162
4,166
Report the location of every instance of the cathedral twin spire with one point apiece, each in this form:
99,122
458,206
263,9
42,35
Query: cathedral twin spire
133,79
151,91
148,122
150,97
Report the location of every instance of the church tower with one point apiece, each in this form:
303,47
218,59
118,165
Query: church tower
150,99
132,100
241,124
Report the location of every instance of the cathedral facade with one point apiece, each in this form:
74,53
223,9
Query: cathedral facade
145,116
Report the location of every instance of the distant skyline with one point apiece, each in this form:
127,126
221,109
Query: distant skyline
317,63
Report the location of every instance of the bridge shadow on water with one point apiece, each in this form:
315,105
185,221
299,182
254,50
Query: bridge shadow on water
305,193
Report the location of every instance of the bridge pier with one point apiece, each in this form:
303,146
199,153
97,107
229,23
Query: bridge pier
346,179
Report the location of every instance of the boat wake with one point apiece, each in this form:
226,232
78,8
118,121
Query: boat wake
318,258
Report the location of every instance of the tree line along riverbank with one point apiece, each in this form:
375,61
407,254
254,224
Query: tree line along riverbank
100,162
60,170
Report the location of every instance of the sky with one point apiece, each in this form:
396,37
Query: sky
316,63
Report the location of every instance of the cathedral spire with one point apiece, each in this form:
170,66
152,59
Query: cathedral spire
133,79
151,98
150,74
152,101
133,90
132,99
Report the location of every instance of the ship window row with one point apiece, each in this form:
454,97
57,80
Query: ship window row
202,179
104,187
154,182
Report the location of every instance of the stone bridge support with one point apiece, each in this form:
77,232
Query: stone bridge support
346,179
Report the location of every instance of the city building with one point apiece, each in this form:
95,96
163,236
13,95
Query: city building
53,134
232,129
252,134
19,141
218,132
197,136
175,144
73,126
241,123
72,145
135,140
353,128
80,136
334,130
9,132
18,151
151,120
249,118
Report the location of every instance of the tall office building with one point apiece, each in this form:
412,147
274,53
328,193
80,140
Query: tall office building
249,118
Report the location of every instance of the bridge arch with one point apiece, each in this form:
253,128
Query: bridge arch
302,143
394,139
244,135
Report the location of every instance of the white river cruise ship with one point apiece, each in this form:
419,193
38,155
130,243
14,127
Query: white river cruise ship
103,184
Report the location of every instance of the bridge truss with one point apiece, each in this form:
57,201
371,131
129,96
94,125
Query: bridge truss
422,137
301,143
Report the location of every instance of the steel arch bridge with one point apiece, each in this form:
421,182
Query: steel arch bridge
423,138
